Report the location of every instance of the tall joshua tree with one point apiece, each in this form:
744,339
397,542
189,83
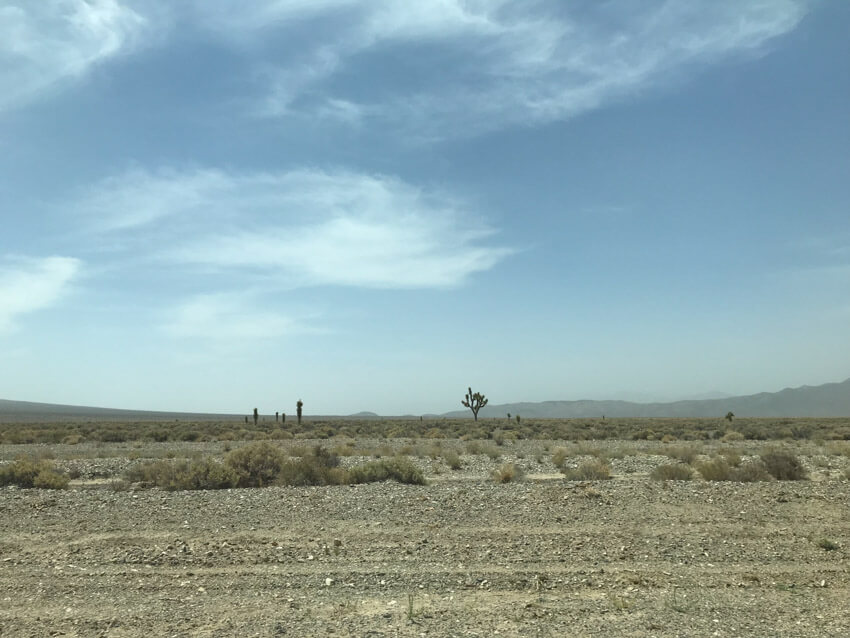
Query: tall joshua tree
474,402
298,407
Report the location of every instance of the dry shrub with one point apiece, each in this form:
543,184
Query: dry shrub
319,467
783,466
199,474
584,449
28,472
559,456
732,456
452,459
398,469
488,449
732,435
672,472
590,471
718,469
507,473
257,464
828,545
838,448
683,453
750,472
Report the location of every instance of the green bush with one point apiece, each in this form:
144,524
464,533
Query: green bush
257,464
783,466
672,472
28,472
590,471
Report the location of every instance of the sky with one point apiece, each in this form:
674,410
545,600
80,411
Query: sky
374,204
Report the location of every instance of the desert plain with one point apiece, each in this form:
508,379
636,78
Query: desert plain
499,542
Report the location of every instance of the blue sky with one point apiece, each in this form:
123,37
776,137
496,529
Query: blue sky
372,204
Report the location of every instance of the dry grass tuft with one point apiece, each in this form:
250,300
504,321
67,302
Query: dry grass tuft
590,471
672,472
508,473
784,466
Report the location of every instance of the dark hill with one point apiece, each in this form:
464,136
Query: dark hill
828,400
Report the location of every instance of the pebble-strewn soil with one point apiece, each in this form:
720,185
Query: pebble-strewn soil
462,556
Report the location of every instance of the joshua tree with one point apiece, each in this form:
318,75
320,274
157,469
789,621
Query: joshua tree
474,402
298,407
729,416
276,417
517,418
256,416
283,417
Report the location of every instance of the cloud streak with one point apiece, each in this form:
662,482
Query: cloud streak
46,43
30,285
295,229
496,63
227,317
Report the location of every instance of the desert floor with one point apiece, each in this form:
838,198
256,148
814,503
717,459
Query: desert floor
461,556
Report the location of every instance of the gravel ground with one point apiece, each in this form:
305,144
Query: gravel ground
462,556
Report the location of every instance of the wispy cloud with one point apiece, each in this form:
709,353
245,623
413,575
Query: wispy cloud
47,42
227,317
29,285
500,62
297,228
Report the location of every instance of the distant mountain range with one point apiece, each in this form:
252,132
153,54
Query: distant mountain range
27,411
828,400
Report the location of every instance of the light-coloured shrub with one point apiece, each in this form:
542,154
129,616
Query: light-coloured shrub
672,472
595,470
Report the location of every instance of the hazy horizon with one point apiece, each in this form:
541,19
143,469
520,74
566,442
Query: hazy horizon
373,205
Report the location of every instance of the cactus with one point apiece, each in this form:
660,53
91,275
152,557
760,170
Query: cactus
256,416
298,407
474,402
